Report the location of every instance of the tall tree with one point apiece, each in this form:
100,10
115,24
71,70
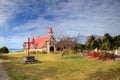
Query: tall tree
108,42
91,43
117,41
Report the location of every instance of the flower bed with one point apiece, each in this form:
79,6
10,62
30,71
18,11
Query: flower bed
100,56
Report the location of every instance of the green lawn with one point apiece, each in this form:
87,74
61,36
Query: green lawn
53,67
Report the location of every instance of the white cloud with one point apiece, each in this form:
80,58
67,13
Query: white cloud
2,39
16,39
91,17
8,9
67,16
37,27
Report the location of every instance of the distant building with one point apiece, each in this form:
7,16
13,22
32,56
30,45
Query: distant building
42,44
117,51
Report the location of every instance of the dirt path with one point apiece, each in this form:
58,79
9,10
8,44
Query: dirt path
3,74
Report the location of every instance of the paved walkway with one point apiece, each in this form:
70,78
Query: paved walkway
3,74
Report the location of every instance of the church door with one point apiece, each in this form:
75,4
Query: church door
51,49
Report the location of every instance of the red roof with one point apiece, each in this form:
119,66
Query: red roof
39,42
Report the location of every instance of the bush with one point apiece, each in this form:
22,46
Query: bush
102,55
44,52
33,52
4,49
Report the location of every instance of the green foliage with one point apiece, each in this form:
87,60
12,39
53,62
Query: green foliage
78,47
4,49
117,41
106,42
91,43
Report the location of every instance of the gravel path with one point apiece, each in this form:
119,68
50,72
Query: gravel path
3,74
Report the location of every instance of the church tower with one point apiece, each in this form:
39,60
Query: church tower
50,32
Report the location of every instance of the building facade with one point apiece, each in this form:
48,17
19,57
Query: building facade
42,44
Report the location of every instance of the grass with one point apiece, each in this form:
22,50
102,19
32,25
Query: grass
53,67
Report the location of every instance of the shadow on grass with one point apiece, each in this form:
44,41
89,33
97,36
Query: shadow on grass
111,74
4,57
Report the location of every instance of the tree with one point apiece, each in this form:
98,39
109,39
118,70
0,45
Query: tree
117,42
67,42
108,42
79,47
4,49
100,43
91,43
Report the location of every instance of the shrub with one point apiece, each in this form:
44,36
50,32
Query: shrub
33,52
44,52
4,49
102,55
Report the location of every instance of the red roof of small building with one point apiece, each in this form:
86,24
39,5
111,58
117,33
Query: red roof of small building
39,42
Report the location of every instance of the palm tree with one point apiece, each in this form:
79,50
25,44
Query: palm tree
90,43
117,42
108,42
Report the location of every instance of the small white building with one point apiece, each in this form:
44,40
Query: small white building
117,51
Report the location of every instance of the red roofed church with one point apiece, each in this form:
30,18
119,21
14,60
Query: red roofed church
42,44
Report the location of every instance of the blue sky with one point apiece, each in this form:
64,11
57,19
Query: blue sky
20,19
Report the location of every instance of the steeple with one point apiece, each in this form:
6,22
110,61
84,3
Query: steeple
33,40
50,32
